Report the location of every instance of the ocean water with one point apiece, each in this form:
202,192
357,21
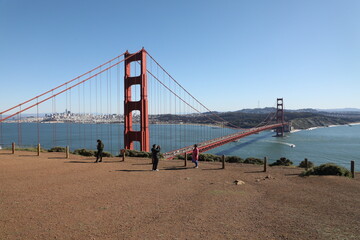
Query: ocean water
338,144
75,135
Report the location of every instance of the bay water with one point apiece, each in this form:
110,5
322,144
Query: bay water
337,144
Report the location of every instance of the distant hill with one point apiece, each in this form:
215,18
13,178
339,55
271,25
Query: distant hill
268,110
340,110
248,118
312,110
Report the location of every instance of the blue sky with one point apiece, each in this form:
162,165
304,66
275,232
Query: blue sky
230,54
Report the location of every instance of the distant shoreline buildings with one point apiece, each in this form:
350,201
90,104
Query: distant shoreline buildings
68,117
86,118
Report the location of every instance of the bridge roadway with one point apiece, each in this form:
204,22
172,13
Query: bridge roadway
216,142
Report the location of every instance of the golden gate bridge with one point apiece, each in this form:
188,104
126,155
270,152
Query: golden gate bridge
133,89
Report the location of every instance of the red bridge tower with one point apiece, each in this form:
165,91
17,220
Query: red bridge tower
130,135
280,117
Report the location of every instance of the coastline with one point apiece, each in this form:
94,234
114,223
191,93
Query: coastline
334,125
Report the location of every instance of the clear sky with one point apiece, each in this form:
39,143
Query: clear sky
230,54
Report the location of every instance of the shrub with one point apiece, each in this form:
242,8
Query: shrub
29,149
90,153
310,164
252,160
209,157
234,159
282,162
212,158
140,154
327,169
182,157
135,153
104,154
84,152
57,149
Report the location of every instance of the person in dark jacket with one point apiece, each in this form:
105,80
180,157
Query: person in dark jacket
155,151
100,149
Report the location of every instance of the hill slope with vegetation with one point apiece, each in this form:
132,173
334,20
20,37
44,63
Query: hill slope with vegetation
248,118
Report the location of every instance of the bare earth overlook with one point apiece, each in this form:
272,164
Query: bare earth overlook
50,197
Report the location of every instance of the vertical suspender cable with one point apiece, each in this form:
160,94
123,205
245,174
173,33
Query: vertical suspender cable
55,124
96,107
1,132
38,121
19,128
101,107
157,102
150,86
171,116
165,107
175,140
53,118
118,105
84,116
107,107
79,116
91,117
111,112
67,117
71,119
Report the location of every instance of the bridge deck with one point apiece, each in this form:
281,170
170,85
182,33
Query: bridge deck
216,142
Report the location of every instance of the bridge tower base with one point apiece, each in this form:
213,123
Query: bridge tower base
130,135
280,117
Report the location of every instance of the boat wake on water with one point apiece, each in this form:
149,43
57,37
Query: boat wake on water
284,143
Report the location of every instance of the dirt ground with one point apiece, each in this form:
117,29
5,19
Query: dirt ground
50,197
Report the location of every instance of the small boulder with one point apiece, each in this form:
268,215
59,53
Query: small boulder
239,182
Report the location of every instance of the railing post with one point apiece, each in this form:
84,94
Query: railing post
13,148
306,164
353,169
67,151
185,160
38,149
265,163
223,161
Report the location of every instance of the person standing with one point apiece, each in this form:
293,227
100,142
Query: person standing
100,149
155,152
195,156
